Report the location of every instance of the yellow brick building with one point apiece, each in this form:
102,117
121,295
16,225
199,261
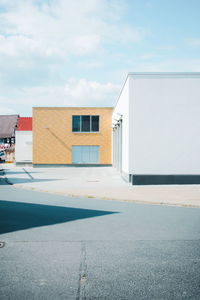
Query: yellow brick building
72,135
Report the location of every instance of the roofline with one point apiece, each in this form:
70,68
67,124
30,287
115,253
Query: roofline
122,89
9,115
24,130
161,74
74,107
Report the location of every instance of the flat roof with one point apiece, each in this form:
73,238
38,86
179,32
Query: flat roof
73,107
164,74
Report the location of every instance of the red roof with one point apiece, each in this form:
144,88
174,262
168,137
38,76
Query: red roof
24,124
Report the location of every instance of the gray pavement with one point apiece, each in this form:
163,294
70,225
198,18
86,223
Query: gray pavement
99,182
60,247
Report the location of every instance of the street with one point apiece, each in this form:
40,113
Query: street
59,247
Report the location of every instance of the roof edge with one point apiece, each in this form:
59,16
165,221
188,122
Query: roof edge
165,74
13,115
74,107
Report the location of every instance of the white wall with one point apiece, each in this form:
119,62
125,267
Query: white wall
122,108
165,129
23,146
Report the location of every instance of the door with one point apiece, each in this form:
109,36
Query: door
85,154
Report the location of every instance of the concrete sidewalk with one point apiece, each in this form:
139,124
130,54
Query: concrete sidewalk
99,182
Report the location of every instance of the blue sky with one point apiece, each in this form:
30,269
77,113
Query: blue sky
78,53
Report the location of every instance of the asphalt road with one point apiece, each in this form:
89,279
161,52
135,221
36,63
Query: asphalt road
68,248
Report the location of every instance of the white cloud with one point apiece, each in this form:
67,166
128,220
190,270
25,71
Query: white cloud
63,27
86,44
19,45
74,93
44,42
83,92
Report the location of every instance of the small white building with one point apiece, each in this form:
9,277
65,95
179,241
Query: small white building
23,141
156,128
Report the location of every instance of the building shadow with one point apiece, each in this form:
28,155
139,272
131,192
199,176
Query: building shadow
20,172
59,140
16,216
14,180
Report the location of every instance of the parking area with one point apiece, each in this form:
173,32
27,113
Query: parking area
98,182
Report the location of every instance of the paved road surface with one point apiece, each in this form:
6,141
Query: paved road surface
68,248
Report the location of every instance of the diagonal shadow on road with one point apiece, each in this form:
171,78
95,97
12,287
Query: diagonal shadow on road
20,215
16,180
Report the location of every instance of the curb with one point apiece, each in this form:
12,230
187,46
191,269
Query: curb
106,198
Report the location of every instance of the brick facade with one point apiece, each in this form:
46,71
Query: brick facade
53,137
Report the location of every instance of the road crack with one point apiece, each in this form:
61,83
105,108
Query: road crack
81,293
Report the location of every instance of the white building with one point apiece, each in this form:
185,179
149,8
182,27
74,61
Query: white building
156,134
23,141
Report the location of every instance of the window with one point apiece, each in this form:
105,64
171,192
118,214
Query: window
76,123
4,141
95,123
85,123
